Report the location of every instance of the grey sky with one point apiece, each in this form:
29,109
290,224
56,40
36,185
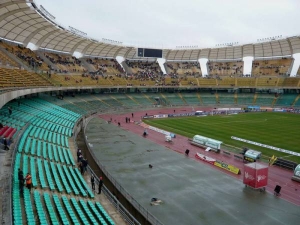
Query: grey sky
170,23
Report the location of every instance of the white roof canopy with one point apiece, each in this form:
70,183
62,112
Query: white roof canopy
21,22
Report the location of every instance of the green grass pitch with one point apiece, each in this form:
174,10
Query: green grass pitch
280,130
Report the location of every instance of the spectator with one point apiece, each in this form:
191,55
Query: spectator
5,144
187,151
28,181
78,154
81,167
84,165
93,182
100,185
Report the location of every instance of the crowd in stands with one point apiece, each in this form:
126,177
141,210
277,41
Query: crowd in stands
143,69
31,61
273,67
183,68
65,63
225,68
105,66
26,55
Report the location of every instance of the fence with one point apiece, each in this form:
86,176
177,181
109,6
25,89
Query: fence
126,215
146,214
9,217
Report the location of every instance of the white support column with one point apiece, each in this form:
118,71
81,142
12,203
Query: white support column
296,65
203,66
120,59
247,65
161,62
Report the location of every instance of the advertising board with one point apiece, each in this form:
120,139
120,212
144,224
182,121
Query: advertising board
227,167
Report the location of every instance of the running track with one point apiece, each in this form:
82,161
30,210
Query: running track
277,176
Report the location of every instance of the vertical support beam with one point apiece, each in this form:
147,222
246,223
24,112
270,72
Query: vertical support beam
203,66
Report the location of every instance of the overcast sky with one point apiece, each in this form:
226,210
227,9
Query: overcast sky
170,23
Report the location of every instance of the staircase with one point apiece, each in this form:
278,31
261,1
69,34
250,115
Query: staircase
163,99
15,58
254,98
46,60
132,99
182,98
199,97
235,98
274,101
296,99
87,66
217,98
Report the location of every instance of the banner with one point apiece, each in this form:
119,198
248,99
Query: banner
205,158
279,110
227,167
161,116
182,114
148,117
266,146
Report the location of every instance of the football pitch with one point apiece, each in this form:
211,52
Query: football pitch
280,130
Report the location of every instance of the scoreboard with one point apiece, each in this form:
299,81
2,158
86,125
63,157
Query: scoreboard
149,53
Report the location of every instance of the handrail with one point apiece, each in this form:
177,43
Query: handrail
126,215
147,215
118,206
11,177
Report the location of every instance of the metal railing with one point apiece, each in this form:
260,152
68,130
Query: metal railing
11,177
146,214
115,202
125,214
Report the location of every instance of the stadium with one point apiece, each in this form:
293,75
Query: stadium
133,112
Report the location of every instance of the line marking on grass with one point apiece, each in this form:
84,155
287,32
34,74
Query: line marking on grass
286,156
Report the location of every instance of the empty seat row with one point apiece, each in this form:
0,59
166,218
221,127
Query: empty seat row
76,181
79,211
28,208
70,210
61,212
104,214
48,175
39,208
84,184
50,209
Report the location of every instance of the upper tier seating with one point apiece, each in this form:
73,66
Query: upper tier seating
66,63
183,68
225,68
6,61
105,66
80,80
26,55
143,69
21,78
273,67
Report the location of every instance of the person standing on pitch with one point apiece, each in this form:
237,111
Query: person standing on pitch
187,152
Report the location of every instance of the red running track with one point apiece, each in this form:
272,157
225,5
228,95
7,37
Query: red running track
277,176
